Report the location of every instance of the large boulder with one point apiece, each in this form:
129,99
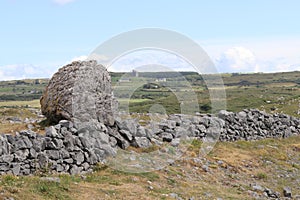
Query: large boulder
80,92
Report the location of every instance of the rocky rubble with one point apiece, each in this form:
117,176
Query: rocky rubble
67,149
254,124
62,149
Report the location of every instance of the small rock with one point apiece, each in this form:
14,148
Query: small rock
167,137
150,187
141,132
141,142
51,179
258,188
173,195
175,142
287,192
66,123
205,168
51,132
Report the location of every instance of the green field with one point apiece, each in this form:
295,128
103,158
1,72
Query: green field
272,92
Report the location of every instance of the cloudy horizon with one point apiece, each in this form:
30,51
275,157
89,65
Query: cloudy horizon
40,37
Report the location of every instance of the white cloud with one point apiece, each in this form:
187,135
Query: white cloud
143,59
79,58
237,59
62,2
255,55
23,71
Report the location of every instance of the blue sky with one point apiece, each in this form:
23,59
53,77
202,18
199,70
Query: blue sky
39,36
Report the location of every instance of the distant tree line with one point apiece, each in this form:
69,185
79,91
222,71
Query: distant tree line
19,97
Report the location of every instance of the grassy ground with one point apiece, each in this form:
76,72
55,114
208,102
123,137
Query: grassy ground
33,103
277,92
231,168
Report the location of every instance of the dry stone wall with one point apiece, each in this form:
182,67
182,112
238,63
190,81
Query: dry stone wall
67,149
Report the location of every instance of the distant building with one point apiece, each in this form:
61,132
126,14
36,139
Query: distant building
135,73
161,80
124,80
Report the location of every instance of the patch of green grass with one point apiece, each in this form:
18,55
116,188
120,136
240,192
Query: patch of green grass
94,178
261,175
11,183
195,145
52,190
151,176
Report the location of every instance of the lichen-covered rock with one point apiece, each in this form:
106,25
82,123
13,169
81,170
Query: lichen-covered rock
79,91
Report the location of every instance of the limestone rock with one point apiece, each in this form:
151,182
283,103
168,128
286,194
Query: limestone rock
81,92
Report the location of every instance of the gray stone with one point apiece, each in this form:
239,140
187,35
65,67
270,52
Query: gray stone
32,153
66,123
42,160
167,137
108,151
205,168
86,141
149,133
121,142
201,128
287,192
75,170
39,144
22,143
58,143
85,166
64,153
140,132
77,141
113,142
223,114
69,142
69,160
79,158
28,133
21,155
7,158
4,167
16,169
128,125
256,187
57,127
141,142
180,132
51,132
49,144
175,142
51,179
104,138
126,134
92,159
83,87
53,154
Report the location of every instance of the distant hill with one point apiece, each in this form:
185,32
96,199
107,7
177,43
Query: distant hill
273,92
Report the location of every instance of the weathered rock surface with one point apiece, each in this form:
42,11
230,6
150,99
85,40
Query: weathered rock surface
79,90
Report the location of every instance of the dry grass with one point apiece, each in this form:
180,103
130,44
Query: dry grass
32,104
